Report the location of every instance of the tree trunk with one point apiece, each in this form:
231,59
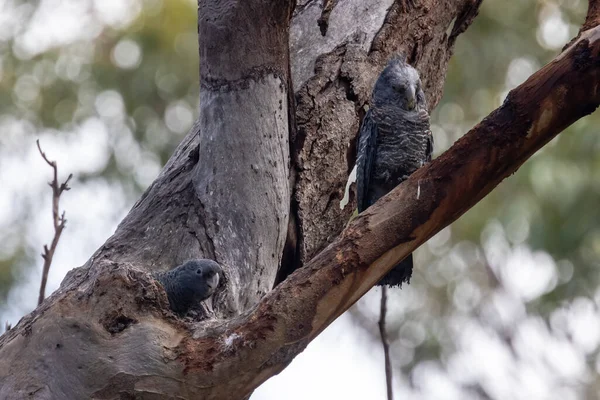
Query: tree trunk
244,173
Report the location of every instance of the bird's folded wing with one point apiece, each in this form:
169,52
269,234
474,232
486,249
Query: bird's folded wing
365,160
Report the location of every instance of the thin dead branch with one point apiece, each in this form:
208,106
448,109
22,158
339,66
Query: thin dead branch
58,220
385,343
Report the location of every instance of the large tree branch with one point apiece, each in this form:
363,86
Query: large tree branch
295,312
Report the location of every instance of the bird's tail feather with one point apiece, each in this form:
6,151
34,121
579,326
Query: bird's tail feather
399,274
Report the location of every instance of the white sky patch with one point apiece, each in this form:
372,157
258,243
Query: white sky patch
93,211
307,42
433,382
127,150
583,322
517,229
229,341
412,334
13,14
343,354
341,363
57,23
411,298
493,374
441,139
553,30
500,97
529,274
519,70
84,150
126,54
117,13
109,104
44,72
565,270
68,67
451,113
523,272
179,117
495,245
153,7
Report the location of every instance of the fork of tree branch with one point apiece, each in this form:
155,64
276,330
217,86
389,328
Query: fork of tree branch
58,220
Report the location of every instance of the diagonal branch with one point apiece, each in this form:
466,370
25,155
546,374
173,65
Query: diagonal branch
295,312
59,221
559,94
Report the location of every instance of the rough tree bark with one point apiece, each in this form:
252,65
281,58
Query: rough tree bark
227,194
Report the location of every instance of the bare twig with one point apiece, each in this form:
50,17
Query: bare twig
386,345
58,220
7,326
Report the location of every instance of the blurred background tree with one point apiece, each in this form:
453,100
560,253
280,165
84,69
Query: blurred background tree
503,304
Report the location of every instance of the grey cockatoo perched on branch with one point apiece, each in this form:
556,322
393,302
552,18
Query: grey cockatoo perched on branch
190,283
395,140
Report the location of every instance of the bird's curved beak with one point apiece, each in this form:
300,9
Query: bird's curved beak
213,281
412,99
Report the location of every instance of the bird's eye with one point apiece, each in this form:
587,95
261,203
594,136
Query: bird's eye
199,272
398,88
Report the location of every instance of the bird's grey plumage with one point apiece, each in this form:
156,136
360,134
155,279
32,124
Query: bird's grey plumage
189,283
395,140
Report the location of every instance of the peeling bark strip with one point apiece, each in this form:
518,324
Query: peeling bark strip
107,333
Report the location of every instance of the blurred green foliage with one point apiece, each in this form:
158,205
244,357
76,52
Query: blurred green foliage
553,198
